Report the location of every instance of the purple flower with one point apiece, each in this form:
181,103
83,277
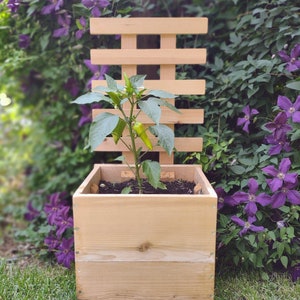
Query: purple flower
251,198
64,21
63,221
223,198
292,63
246,119
98,72
247,225
279,144
291,110
31,213
95,6
24,41
13,5
295,272
65,252
279,127
52,242
53,208
72,86
280,176
53,7
287,192
86,111
81,24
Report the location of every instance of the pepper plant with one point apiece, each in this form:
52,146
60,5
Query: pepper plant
106,123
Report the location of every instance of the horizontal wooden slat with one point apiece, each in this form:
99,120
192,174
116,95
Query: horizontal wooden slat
187,116
148,25
148,56
182,144
177,87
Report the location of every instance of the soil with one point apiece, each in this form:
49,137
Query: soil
173,187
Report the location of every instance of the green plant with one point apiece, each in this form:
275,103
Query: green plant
106,123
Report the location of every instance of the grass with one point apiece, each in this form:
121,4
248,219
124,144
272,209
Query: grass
46,282
36,281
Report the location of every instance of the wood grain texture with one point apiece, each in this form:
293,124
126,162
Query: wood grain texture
145,246
149,25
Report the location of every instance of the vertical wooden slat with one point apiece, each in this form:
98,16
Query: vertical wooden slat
128,41
167,72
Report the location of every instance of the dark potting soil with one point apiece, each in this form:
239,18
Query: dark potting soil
173,187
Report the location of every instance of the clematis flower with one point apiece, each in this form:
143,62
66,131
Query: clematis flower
63,221
291,110
65,252
54,6
24,41
278,144
81,24
13,5
95,6
251,198
52,241
98,72
287,192
223,198
293,63
245,121
64,21
247,225
279,126
52,209
281,176
31,213
72,86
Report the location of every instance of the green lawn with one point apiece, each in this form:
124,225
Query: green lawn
45,282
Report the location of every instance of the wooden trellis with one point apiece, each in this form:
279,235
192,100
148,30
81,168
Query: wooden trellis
167,57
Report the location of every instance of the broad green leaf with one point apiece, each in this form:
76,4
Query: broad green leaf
161,94
163,102
294,85
137,81
118,131
151,109
103,125
239,170
165,136
111,83
90,98
284,260
152,171
126,190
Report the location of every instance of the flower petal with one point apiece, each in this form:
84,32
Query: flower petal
284,102
253,186
278,199
284,165
270,170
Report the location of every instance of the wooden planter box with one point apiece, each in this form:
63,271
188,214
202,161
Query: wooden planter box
145,246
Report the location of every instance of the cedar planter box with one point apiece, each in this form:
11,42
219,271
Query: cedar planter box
137,246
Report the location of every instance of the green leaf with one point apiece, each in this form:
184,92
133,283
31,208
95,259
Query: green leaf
126,190
152,171
161,94
111,83
151,109
163,102
137,81
90,98
294,85
103,125
284,260
239,170
165,136
118,131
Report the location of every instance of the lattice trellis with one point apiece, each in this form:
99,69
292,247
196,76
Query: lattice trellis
167,57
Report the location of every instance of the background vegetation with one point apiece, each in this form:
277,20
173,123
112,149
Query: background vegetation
44,65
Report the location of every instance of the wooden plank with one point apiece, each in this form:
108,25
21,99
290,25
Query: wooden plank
187,116
148,56
182,144
177,87
144,280
149,25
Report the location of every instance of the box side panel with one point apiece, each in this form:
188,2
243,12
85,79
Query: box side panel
145,280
